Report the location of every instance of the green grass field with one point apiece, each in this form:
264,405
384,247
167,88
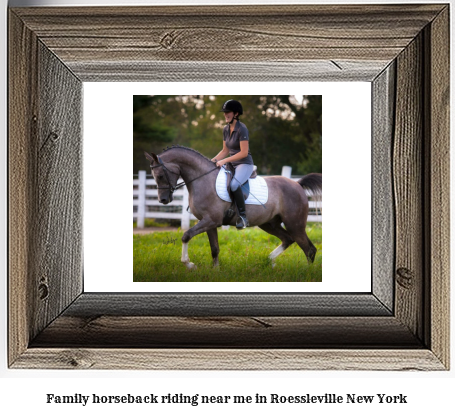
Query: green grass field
243,258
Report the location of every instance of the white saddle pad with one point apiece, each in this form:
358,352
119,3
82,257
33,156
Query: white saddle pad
258,188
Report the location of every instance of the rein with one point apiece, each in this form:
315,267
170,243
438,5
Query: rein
166,170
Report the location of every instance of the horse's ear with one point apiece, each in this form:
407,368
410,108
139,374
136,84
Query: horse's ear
152,157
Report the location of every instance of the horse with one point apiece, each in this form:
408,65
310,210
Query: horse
287,202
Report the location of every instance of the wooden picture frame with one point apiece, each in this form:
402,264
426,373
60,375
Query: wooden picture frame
402,324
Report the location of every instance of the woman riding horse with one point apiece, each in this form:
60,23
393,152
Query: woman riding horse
287,199
235,143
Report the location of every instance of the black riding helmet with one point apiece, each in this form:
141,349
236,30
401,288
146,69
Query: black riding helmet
232,105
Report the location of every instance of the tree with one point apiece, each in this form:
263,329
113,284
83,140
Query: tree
283,129
148,130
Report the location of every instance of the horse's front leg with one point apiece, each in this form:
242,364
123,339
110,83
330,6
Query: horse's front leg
206,224
185,257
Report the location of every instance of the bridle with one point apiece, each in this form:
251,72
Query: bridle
172,188
166,171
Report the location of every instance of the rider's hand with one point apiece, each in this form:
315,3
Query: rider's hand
220,163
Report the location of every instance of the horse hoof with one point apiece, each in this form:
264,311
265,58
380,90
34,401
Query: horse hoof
191,265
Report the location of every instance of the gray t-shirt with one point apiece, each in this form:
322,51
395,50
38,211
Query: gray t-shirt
240,133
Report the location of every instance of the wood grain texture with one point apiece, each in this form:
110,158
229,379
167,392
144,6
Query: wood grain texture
60,47
276,34
226,332
408,187
157,71
236,359
90,305
383,220
45,187
439,190
57,216
22,173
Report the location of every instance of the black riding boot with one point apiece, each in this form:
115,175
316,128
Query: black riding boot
242,221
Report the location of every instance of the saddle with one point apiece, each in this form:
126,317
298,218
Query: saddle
229,213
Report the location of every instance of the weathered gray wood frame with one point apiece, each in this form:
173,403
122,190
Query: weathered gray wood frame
403,324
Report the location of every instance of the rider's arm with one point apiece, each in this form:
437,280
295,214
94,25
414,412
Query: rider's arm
240,155
223,153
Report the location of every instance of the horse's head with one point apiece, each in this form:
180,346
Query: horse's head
165,177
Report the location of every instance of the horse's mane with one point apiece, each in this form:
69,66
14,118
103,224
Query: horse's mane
176,146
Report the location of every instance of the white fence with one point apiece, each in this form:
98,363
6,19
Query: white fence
145,197
146,205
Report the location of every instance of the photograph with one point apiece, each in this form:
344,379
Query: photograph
234,184
133,73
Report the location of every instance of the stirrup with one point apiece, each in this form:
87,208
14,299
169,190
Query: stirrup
242,223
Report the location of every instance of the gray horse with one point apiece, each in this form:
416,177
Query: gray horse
287,202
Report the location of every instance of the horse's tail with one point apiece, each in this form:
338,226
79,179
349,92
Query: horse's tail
312,182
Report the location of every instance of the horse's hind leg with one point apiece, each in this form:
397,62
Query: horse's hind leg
304,242
296,228
213,239
311,250
274,228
